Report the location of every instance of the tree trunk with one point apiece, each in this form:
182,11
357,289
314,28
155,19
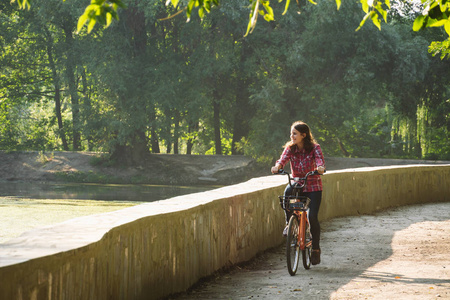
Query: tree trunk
240,123
139,149
176,132
167,130
168,146
87,105
243,111
193,127
217,137
136,144
57,96
153,135
154,141
342,147
70,75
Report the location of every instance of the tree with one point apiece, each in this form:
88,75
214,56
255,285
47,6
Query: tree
31,80
432,13
149,85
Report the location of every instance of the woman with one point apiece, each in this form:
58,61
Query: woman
305,155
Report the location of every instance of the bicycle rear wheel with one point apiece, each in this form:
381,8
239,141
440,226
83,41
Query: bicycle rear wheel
306,253
292,246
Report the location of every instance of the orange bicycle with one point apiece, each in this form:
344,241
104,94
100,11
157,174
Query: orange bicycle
299,234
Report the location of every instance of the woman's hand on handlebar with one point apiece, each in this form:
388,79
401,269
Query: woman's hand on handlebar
275,169
321,170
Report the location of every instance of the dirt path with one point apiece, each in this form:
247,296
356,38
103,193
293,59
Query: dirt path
403,253
32,166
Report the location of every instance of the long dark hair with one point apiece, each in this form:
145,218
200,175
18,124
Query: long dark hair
308,141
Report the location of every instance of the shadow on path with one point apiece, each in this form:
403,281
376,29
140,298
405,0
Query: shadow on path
401,253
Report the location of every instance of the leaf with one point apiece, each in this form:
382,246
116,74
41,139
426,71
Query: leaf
108,19
268,8
91,25
418,23
286,7
382,12
207,6
447,27
189,8
363,21
375,19
338,4
269,17
365,6
82,20
249,25
23,3
435,23
388,3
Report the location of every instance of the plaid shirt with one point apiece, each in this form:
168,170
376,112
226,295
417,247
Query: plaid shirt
302,163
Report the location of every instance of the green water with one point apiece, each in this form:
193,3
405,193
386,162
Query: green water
26,206
108,192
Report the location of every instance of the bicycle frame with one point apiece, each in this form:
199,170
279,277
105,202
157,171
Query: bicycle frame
301,236
301,211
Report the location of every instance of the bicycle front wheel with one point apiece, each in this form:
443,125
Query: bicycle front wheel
292,246
306,253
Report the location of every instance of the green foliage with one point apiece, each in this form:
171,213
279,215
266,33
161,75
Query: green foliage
147,85
102,160
23,3
99,11
373,11
43,158
442,48
433,14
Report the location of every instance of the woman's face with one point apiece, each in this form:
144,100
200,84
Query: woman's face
297,137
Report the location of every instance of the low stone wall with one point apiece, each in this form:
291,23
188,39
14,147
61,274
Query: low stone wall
156,249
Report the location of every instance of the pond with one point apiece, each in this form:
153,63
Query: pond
26,206
88,191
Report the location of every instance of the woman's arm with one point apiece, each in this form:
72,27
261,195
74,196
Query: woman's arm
284,158
319,159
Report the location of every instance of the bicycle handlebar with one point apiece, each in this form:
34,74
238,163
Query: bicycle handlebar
304,179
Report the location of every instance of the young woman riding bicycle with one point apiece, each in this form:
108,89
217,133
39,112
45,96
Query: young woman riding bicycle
305,155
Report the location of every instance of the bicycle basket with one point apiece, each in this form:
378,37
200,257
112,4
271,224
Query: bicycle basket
294,202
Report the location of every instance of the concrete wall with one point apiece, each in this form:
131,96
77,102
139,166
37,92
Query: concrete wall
156,249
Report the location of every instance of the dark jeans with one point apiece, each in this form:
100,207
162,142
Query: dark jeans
316,198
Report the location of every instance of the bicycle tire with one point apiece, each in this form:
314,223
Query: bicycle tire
292,246
306,253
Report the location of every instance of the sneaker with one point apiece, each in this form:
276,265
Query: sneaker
315,257
285,230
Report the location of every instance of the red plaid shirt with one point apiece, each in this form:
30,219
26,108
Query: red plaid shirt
302,163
